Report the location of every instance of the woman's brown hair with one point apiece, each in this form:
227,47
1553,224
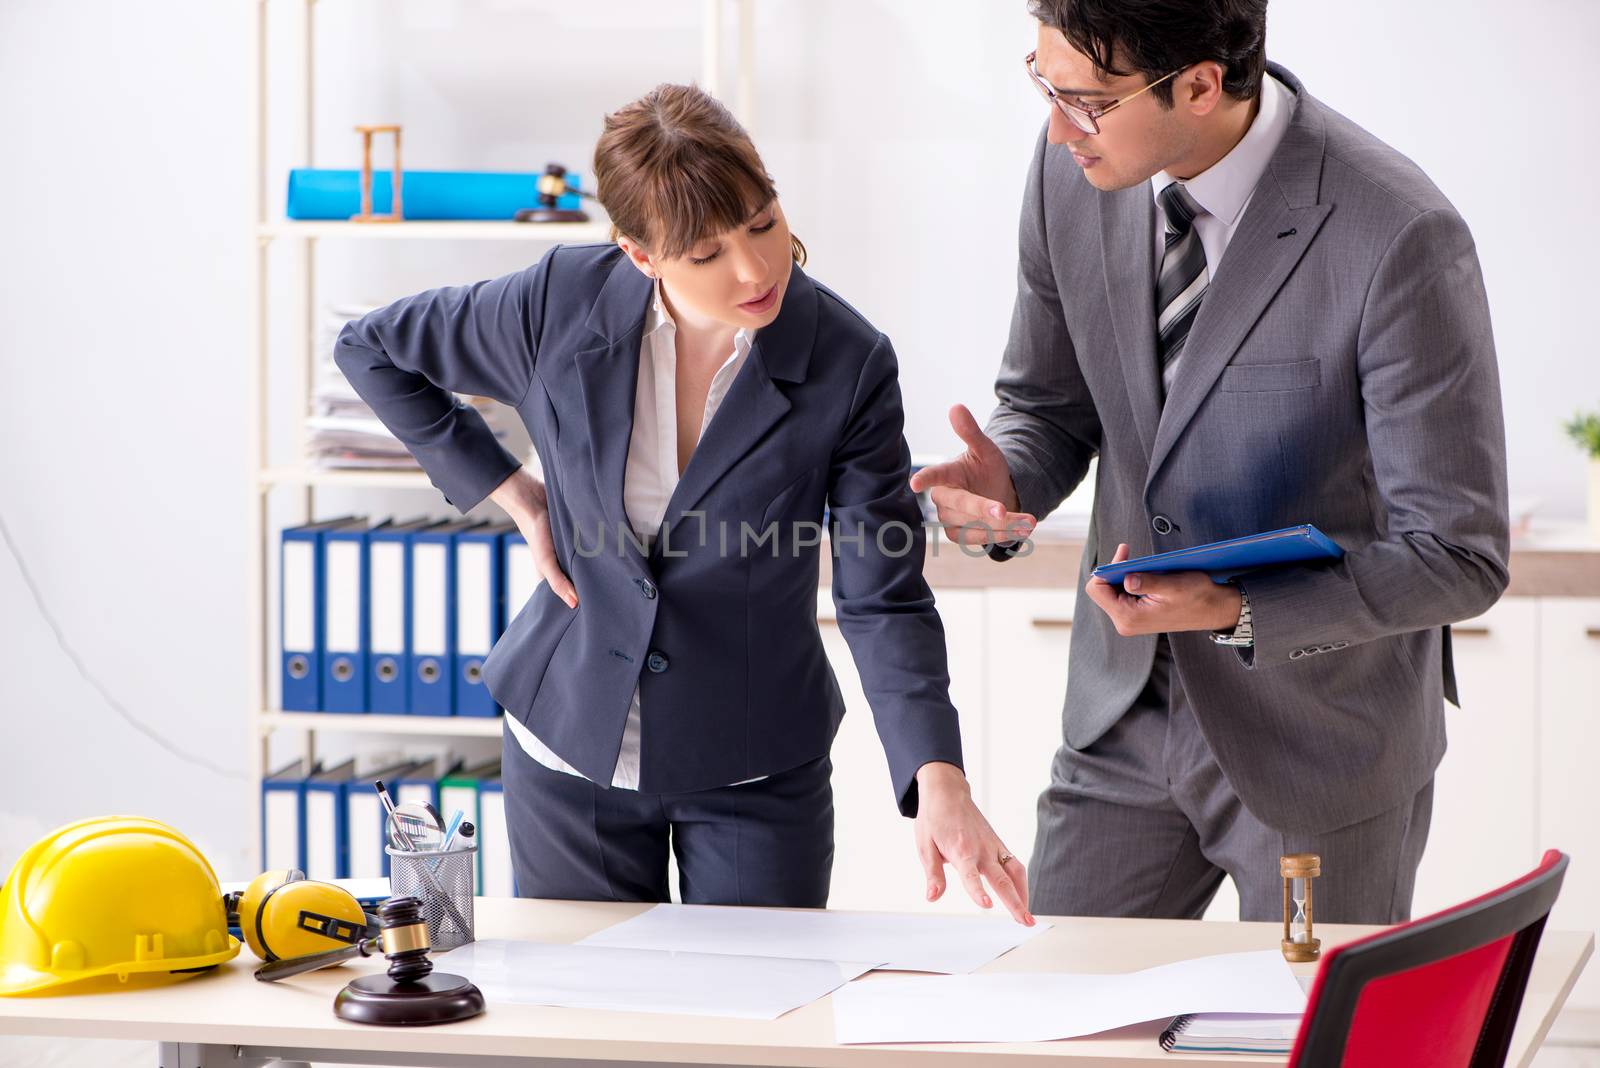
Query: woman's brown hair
675,167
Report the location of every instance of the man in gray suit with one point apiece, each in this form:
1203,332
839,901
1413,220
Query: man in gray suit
1255,315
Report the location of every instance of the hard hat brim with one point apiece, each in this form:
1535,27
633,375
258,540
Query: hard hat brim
19,980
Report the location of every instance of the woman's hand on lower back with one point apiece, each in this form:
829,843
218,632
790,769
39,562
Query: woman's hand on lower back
522,497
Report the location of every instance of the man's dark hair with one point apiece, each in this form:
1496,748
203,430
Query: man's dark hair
1155,37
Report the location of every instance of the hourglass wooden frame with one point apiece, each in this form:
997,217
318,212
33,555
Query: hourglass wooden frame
396,209
1306,866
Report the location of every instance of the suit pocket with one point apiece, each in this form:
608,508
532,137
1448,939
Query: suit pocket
516,666
781,500
1270,377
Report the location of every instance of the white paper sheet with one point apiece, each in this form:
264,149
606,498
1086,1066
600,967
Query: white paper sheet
632,980
954,944
1041,1007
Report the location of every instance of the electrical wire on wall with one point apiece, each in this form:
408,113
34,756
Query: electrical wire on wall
83,672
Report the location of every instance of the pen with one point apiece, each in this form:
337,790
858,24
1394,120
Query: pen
450,831
388,806
456,824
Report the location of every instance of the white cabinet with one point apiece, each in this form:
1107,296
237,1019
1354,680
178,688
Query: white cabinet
875,863
1030,631
1484,825
1569,738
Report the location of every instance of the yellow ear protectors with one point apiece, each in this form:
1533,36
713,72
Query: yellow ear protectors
282,914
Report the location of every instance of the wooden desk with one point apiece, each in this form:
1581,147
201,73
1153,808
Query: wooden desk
227,1018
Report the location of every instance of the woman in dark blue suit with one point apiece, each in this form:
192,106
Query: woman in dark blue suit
696,401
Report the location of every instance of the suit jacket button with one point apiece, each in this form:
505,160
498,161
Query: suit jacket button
1161,525
657,662
647,588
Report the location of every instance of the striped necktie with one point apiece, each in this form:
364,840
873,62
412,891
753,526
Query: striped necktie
1182,282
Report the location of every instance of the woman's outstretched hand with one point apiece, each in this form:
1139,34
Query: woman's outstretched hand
951,830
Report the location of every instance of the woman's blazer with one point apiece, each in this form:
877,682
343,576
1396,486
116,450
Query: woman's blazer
714,618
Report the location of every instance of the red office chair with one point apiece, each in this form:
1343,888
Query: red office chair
1440,991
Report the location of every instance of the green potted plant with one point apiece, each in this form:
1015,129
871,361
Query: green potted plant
1584,428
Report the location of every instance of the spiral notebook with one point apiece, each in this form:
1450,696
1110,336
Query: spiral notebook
1230,1032
1234,1032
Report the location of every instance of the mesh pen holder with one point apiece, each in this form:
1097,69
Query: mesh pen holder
442,881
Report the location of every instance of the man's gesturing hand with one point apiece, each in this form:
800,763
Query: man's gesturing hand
974,493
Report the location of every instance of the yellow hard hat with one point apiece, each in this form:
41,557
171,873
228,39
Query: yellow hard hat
282,914
114,895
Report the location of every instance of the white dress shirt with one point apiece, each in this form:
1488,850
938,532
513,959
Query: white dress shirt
650,478
1224,189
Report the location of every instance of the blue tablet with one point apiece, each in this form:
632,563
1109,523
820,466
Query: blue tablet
1223,560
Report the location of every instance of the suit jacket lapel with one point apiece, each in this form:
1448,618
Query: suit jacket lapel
609,376
1127,246
1279,224
754,402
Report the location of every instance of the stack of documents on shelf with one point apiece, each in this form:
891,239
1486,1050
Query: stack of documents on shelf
1045,1006
952,944
341,431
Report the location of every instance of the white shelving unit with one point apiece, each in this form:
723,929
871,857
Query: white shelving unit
268,228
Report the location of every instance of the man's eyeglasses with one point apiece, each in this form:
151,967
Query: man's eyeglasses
1084,118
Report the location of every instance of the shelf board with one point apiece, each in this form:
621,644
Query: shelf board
443,230
373,723
311,476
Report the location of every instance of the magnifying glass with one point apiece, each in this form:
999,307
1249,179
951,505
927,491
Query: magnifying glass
423,830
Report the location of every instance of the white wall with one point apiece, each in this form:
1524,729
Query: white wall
898,132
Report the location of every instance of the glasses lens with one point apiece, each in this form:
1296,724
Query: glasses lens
1080,118
1038,83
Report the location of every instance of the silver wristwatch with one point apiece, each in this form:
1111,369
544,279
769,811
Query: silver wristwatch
1243,634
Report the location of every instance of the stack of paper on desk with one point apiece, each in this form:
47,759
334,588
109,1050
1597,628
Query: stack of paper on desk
1041,1007
954,944
632,980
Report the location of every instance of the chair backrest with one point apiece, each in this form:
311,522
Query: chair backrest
1440,991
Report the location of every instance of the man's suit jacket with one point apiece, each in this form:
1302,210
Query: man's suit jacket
718,627
1341,371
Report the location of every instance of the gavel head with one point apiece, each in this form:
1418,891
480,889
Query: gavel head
404,937
552,185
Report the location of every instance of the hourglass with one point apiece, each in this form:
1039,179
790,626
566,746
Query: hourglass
1298,869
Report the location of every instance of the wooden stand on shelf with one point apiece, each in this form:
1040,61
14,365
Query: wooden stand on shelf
396,214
